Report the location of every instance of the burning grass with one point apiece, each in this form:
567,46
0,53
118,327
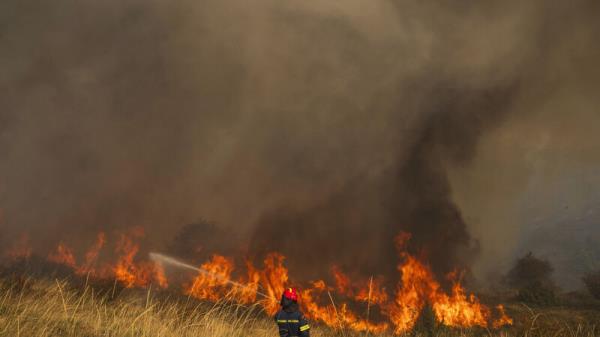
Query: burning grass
45,308
341,304
216,298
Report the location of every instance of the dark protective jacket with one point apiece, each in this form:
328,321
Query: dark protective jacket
291,322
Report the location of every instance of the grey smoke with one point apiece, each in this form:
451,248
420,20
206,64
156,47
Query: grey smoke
316,128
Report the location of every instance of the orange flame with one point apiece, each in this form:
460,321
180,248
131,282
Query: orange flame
212,284
342,281
249,291
92,255
373,292
63,255
133,274
333,315
418,287
503,319
274,279
126,270
337,306
411,294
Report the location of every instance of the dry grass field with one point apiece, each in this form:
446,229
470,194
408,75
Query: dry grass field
45,307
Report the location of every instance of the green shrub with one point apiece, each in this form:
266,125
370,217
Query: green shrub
532,277
592,282
537,293
530,270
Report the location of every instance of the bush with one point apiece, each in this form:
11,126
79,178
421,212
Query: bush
530,270
537,293
532,277
592,282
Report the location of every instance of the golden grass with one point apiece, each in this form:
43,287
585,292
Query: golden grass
47,308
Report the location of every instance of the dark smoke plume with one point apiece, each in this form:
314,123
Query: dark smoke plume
318,128
355,227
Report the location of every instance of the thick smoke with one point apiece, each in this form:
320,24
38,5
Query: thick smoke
355,227
315,128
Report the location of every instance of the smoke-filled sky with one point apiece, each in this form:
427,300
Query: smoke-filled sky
317,128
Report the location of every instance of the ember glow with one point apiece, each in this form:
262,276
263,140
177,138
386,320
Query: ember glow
360,305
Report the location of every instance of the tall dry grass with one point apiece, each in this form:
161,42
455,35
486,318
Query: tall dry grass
45,308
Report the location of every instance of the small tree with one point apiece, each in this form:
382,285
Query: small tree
532,277
529,270
592,282
538,294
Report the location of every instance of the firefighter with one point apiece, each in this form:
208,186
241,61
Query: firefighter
289,319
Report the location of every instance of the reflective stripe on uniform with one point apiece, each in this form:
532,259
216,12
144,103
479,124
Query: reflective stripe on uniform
304,327
288,321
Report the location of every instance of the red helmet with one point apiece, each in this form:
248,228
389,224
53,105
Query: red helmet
291,294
